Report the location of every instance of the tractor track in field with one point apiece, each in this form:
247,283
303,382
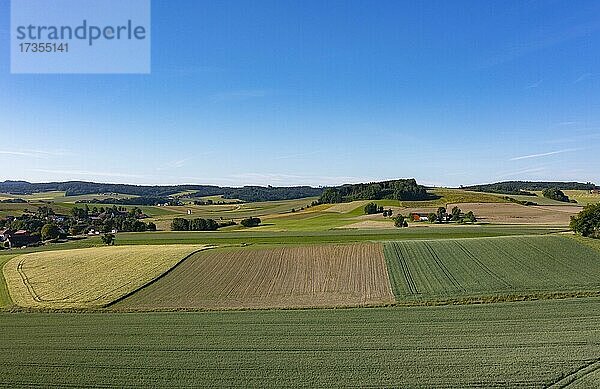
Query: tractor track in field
576,375
443,267
408,278
482,265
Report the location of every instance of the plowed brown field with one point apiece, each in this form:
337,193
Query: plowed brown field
308,276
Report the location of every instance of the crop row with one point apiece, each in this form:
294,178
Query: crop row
456,268
529,344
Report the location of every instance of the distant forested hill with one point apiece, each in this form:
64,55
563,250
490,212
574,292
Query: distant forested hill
247,193
403,189
270,193
523,187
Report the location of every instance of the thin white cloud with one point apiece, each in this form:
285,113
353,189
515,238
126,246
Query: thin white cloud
541,154
35,153
583,77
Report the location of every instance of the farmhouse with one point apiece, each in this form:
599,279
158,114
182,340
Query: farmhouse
18,238
595,191
420,217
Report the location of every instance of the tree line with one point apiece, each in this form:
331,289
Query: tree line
198,224
403,190
77,188
526,187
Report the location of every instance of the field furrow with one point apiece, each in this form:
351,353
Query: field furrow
282,277
492,268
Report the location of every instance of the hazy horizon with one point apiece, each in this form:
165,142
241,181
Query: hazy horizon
310,93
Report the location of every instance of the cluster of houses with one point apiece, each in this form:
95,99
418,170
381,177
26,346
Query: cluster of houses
424,217
19,238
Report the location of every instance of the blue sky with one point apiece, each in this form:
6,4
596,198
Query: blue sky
320,93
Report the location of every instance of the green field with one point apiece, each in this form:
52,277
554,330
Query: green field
256,236
492,269
532,344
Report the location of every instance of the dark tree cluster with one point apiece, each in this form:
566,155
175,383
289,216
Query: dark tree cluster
400,222
132,201
270,193
587,222
13,201
108,219
373,208
403,190
525,187
456,215
198,224
250,222
556,194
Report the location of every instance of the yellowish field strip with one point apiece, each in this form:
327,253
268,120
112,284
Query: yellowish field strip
90,277
284,277
347,207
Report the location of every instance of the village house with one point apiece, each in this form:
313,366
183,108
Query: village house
595,191
420,217
19,238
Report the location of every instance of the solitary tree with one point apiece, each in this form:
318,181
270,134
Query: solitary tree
180,224
441,214
250,222
587,222
456,214
370,208
108,239
470,217
400,222
50,231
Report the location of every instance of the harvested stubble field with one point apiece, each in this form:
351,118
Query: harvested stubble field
283,277
491,269
84,278
518,344
510,213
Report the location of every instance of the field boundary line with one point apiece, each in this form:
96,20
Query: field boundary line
119,299
575,375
